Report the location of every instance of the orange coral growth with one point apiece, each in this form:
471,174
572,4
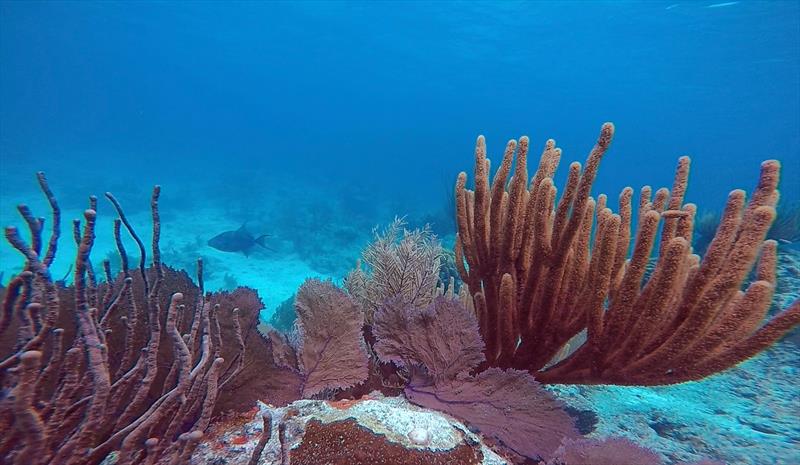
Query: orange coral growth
344,404
239,440
347,443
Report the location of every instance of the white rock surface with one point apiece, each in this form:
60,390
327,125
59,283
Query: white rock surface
393,417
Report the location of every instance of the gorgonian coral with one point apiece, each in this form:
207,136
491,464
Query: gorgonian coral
541,270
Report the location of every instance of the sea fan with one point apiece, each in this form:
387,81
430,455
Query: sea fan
613,451
441,337
327,350
508,406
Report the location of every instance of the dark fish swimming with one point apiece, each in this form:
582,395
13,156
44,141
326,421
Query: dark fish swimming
239,240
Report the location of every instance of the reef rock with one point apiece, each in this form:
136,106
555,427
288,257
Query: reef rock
373,430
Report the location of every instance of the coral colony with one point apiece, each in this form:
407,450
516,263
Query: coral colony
145,366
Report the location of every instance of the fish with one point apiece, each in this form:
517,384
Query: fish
239,240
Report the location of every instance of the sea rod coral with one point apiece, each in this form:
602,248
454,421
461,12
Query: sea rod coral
100,367
557,292
542,272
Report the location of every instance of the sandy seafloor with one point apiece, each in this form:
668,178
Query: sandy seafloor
748,415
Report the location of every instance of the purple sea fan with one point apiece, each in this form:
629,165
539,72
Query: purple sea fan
328,350
442,336
612,451
507,406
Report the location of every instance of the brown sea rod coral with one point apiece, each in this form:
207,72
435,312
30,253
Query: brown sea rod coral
115,366
543,271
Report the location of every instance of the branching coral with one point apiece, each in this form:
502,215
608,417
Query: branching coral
539,276
400,264
101,367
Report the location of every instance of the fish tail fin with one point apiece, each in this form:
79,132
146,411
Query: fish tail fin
262,241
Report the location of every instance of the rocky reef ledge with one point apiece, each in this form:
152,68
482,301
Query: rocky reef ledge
373,430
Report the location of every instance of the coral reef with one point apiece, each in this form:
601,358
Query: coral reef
315,233
442,337
538,278
785,229
438,347
399,264
372,430
100,367
383,430
705,227
325,356
605,452
744,416
115,369
508,407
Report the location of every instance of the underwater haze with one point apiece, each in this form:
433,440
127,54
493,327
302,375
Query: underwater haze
248,109
283,133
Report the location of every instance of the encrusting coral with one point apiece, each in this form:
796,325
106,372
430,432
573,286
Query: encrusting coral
539,275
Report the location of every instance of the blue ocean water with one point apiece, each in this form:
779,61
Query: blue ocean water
378,105
392,95
316,121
